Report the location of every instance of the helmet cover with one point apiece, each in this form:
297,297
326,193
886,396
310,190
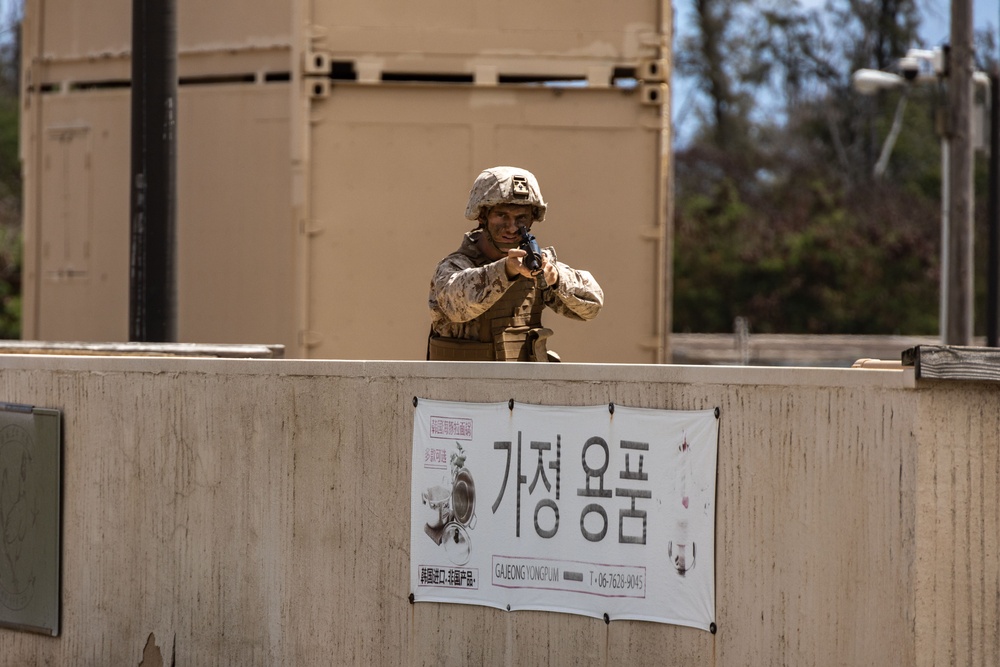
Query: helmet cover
505,185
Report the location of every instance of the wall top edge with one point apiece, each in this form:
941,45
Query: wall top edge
628,373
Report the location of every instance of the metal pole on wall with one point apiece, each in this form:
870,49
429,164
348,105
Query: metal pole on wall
958,329
945,227
993,251
152,286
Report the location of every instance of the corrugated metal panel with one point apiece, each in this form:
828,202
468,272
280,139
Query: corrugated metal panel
236,259
293,173
392,167
95,29
80,246
234,224
521,35
89,42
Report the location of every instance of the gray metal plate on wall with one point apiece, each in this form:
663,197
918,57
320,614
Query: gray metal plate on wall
30,518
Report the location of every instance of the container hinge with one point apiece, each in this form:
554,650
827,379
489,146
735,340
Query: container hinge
309,338
651,343
655,39
651,234
657,124
311,228
315,33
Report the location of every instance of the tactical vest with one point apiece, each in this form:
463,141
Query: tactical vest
509,331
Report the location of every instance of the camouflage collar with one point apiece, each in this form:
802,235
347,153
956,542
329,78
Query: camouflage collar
470,245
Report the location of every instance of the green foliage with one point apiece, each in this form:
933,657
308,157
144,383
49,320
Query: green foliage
793,254
788,226
10,283
10,164
10,182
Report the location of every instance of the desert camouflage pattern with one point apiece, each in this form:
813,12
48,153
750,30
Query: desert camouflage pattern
505,185
466,283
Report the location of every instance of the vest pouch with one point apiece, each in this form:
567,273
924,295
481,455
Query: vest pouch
456,349
538,339
522,344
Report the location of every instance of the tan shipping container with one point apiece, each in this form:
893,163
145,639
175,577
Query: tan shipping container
325,153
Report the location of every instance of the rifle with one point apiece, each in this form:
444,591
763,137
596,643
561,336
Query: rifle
533,260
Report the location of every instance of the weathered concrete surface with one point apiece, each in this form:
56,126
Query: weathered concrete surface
255,512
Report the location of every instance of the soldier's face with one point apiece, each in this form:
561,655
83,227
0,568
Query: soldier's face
503,221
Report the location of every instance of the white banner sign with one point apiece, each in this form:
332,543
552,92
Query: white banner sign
604,511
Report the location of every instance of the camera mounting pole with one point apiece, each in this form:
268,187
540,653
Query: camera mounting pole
956,328
953,66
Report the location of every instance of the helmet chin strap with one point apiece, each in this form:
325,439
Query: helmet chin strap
489,236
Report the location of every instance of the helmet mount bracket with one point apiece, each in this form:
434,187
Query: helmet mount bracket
519,187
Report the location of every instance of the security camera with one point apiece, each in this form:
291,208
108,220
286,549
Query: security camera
909,67
870,81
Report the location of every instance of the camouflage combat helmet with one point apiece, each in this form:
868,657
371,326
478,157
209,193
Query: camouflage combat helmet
505,185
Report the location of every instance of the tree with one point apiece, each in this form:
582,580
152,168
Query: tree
10,175
713,56
786,225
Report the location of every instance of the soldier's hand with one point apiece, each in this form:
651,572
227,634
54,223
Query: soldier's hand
514,264
549,271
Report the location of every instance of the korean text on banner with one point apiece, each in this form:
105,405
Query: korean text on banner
583,510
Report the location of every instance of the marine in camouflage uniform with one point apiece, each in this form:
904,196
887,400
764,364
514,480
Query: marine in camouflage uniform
485,303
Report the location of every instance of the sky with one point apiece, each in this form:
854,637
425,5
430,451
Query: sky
935,30
6,9
936,26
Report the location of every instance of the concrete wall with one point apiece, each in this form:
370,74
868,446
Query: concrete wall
255,512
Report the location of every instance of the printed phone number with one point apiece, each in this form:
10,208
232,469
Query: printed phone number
617,580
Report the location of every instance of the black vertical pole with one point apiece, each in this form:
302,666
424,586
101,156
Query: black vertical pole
993,256
152,289
959,292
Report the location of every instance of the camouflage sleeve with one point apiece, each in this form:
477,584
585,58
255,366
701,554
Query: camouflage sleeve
461,291
576,295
